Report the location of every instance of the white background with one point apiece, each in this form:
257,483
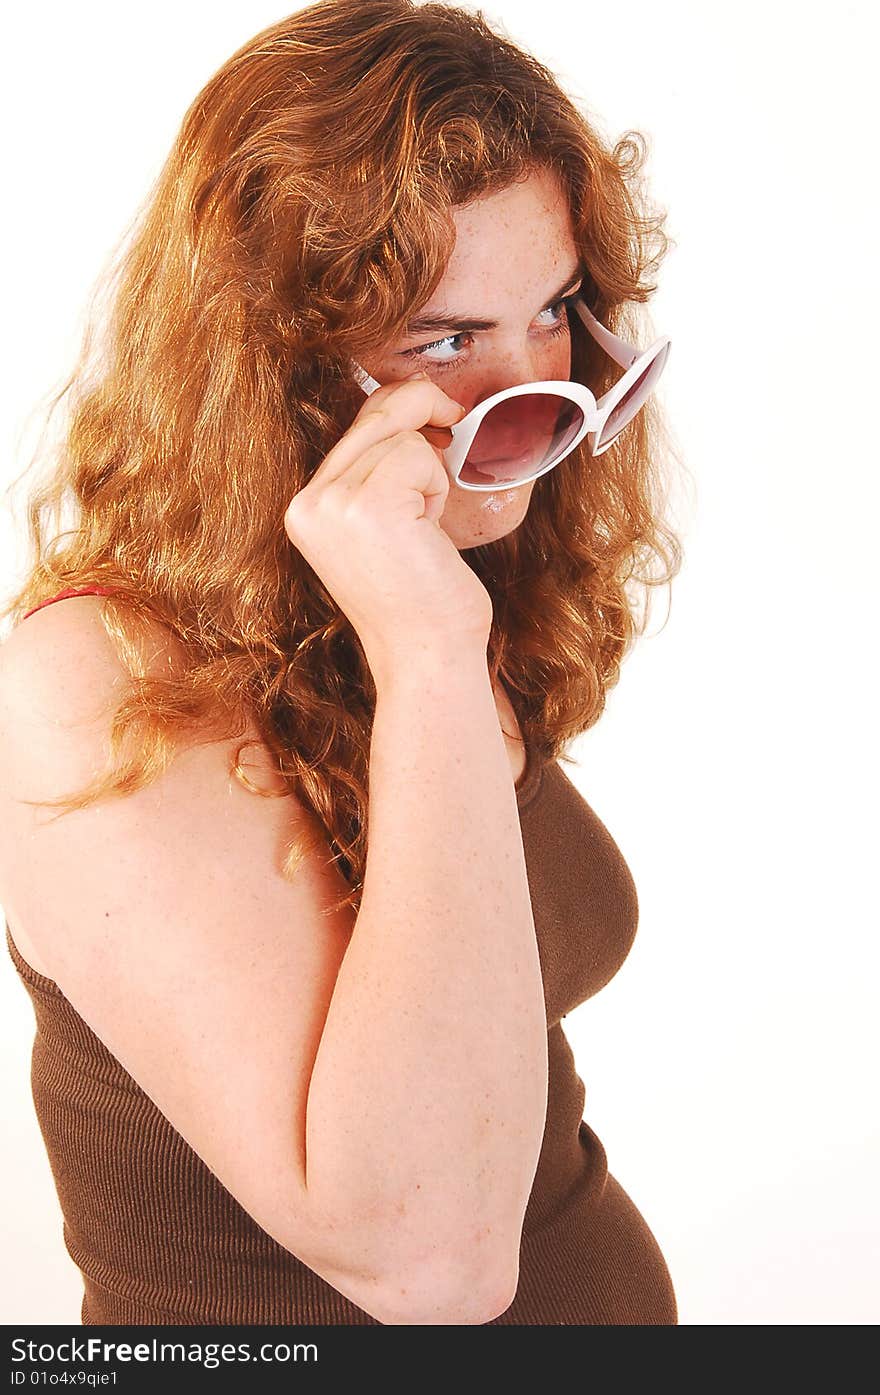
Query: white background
730,1066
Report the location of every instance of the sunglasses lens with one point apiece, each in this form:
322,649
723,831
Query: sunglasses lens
519,437
632,400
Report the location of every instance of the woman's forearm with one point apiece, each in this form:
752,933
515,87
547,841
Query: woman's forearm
428,1097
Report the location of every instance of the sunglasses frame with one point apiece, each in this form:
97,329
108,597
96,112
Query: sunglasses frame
595,414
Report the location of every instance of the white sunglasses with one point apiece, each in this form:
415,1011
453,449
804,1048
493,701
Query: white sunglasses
523,431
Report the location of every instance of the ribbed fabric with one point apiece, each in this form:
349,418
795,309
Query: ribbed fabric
159,1239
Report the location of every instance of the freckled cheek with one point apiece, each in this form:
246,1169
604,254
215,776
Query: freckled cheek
562,358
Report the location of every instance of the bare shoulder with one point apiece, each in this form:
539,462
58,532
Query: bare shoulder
60,682
165,919
64,654
61,668
61,665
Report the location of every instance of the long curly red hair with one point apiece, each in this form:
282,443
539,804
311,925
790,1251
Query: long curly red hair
303,213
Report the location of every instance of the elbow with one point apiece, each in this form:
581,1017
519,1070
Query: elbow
399,1280
490,1300
441,1292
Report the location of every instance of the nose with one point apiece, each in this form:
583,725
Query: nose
516,365
507,374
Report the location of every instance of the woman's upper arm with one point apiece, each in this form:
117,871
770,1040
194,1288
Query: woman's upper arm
164,918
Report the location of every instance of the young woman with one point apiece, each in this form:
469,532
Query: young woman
299,1056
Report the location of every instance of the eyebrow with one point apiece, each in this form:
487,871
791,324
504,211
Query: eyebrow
443,319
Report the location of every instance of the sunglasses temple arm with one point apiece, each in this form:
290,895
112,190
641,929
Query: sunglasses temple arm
618,349
363,379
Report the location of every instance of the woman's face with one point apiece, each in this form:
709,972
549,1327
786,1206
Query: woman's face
513,260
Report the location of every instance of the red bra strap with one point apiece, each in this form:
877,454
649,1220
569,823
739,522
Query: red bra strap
74,591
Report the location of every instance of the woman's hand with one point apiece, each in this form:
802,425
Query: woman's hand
368,524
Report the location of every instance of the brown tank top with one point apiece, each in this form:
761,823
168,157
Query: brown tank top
158,1238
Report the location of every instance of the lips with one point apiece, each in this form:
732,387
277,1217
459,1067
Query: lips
501,459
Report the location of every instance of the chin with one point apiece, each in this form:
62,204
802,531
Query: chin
486,517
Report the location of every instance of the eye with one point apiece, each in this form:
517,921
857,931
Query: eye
560,323
559,310
424,349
